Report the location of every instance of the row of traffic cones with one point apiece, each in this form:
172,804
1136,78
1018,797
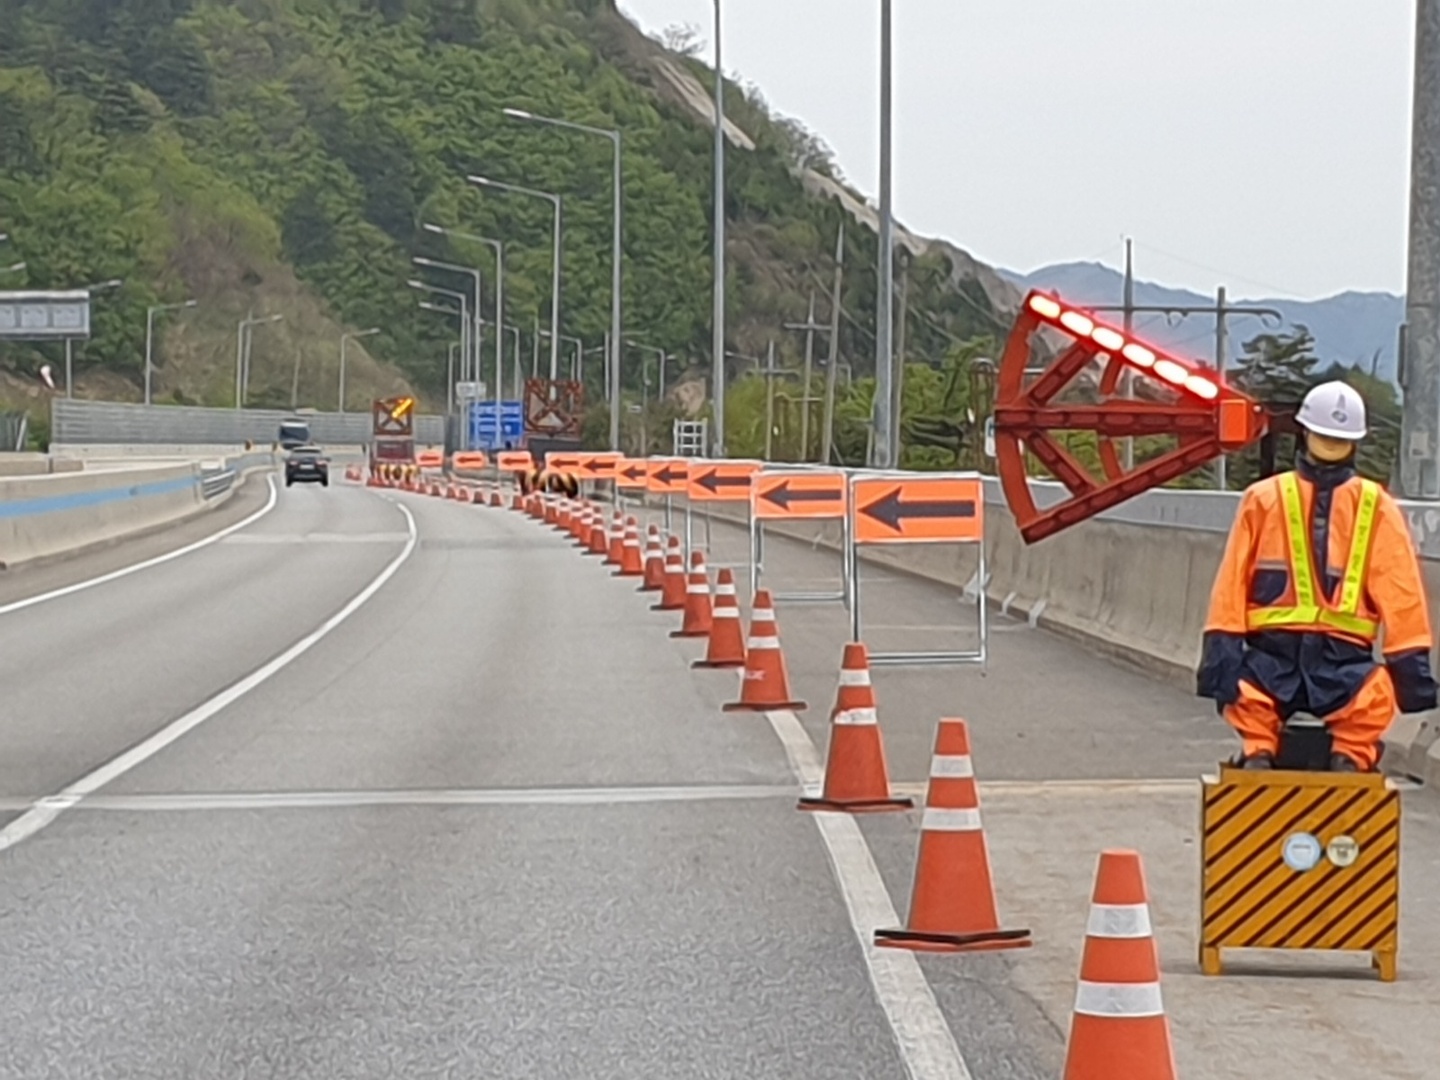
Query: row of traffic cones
1118,1027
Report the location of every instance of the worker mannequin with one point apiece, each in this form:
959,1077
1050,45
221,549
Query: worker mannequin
1318,562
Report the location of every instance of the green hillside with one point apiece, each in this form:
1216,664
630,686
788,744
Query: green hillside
280,156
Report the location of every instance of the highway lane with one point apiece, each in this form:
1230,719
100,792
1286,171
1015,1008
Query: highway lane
616,936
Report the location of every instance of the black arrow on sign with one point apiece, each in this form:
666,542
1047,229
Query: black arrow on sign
782,496
668,475
891,511
633,472
713,481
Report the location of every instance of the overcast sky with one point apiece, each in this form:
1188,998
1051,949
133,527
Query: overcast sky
1260,144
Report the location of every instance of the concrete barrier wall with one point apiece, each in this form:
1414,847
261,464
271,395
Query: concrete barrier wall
76,422
46,516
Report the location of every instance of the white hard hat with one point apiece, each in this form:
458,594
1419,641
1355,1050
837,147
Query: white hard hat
1334,409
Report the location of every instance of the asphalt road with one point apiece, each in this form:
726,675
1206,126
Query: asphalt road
386,786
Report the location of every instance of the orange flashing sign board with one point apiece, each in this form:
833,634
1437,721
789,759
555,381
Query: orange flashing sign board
515,461
721,481
667,476
632,472
562,463
430,459
779,495
470,459
919,510
598,466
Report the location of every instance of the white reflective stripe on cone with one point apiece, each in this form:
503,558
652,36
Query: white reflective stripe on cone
697,589
1115,1000
763,614
946,819
856,716
854,678
724,590
1119,921
724,612
764,643
952,766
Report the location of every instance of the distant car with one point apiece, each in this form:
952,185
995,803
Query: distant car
307,464
294,434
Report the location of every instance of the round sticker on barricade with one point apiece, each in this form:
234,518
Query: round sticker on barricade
1343,851
1301,852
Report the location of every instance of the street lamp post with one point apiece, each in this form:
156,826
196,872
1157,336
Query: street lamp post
150,314
104,286
345,339
555,201
718,323
241,374
499,248
464,314
617,255
885,449
475,315
660,390
441,309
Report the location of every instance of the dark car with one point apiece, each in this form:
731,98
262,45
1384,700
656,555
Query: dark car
306,464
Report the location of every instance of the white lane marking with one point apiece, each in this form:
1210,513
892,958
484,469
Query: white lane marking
125,571
311,800
47,810
924,1039
317,538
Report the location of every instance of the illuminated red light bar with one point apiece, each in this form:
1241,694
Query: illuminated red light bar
1084,326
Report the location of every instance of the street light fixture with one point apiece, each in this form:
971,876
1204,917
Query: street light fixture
150,314
660,392
556,201
345,339
464,313
617,253
499,247
13,268
455,268
242,361
102,286
718,323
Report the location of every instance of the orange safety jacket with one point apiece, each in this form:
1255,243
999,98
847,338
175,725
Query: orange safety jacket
1303,628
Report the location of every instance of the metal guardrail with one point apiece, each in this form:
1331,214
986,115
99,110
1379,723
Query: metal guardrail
13,428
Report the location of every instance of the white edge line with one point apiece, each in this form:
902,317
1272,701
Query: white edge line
923,1037
48,809
135,568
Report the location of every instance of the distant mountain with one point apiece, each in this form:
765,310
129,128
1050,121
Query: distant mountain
1357,329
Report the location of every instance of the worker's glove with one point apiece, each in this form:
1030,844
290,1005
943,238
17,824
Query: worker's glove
1414,682
1221,657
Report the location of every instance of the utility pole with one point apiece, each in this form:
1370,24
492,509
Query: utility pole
897,393
1127,383
1419,470
770,373
832,371
882,449
810,326
717,344
1222,358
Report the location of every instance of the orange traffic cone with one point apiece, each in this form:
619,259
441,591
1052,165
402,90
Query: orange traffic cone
952,907
616,540
580,525
697,600
727,640
764,684
654,572
599,543
1119,1027
630,551
672,588
855,776
517,501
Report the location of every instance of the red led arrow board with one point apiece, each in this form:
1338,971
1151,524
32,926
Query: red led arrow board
721,481
780,495
632,473
667,476
919,510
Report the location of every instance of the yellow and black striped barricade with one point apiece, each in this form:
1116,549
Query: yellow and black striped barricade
1300,860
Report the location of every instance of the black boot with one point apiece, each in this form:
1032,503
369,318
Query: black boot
1257,762
1342,763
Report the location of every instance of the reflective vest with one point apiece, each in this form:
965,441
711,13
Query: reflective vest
1312,607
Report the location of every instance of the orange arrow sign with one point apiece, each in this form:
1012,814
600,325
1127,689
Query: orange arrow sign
668,475
562,463
632,472
930,509
515,461
780,495
599,466
721,481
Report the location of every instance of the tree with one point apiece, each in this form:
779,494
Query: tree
1277,368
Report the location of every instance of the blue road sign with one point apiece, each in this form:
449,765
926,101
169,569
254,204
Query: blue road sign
494,429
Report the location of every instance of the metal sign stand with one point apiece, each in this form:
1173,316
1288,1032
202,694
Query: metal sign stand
977,656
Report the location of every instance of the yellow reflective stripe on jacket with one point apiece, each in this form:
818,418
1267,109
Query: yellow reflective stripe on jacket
1306,611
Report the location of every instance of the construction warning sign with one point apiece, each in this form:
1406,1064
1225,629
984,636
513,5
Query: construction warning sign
667,476
721,481
515,461
600,466
779,495
470,460
632,472
919,510
562,463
